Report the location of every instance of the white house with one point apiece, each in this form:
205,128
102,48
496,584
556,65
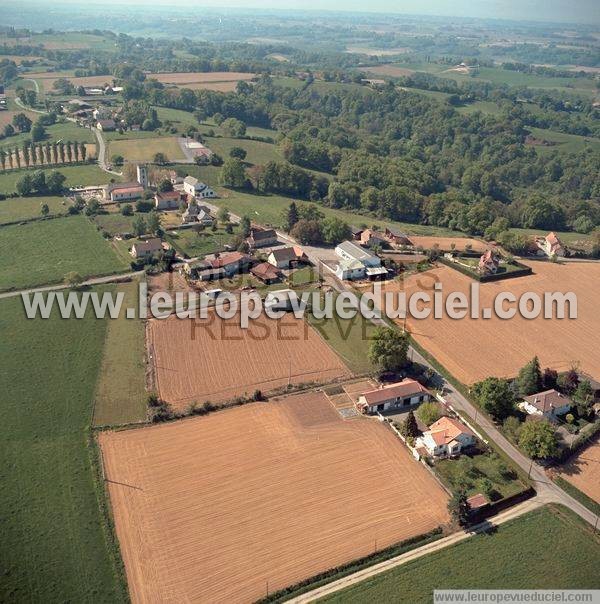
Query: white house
406,393
551,245
169,200
350,270
143,249
285,257
192,186
446,438
548,404
142,175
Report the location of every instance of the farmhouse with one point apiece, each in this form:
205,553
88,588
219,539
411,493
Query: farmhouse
106,125
192,186
232,263
267,273
446,438
169,200
406,393
144,249
488,263
551,246
548,404
196,213
356,262
371,238
286,257
261,238
397,237
123,192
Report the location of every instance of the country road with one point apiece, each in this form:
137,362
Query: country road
542,484
102,153
59,286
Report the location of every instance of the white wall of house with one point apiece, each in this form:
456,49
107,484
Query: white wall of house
396,403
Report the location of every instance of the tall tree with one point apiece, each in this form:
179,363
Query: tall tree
495,396
291,216
538,439
529,380
388,349
83,151
410,427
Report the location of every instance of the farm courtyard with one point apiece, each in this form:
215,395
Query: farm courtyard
211,508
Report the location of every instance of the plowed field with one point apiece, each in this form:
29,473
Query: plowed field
215,509
216,360
584,471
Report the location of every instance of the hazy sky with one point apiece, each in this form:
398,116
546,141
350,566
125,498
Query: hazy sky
582,11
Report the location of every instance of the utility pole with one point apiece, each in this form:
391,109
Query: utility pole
530,468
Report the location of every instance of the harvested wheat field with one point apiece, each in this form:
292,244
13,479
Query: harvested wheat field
47,79
445,243
472,349
184,78
583,471
217,360
391,70
210,509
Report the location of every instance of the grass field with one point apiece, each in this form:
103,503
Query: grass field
67,131
114,223
193,244
63,41
488,107
45,251
567,237
258,152
23,208
350,338
135,150
83,175
268,210
547,548
120,393
271,492
54,540
565,143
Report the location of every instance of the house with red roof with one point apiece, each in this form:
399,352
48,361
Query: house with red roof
393,397
447,437
551,246
232,263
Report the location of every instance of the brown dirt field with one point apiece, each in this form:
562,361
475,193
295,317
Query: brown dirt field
6,117
216,86
200,77
209,509
47,80
390,70
445,243
583,471
472,349
214,359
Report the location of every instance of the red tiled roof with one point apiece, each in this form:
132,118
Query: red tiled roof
169,195
264,270
227,259
446,429
401,389
477,501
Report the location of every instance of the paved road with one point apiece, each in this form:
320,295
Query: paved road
419,552
102,153
59,286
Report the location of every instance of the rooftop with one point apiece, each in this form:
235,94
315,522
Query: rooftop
447,429
547,400
401,389
354,251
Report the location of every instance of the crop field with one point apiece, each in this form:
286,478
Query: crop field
14,209
212,509
583,471
136,150
77,176
508,344
54,540
445,243
549,548
46,80
44,251
197,80
215,359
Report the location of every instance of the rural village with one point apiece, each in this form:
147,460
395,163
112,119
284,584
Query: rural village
289,460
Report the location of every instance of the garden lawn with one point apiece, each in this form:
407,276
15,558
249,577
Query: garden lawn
545,549
77,176
56,544
193,244
120,393
14,209
42,252
115,223
144,149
